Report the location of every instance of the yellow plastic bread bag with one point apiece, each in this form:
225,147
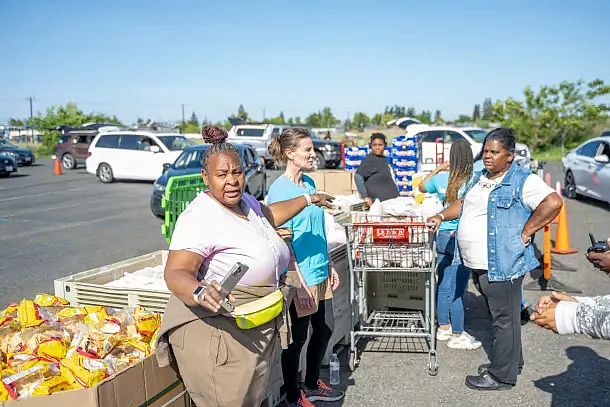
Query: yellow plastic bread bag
260,311
84,372
46,300
147,322
51,385
29,314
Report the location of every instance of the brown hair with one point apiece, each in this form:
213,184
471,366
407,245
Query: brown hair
289,139
460,168
217,138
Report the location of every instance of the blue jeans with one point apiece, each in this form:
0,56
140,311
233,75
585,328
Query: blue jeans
453,279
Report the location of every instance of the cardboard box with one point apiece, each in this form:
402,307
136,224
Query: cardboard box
143,384
318,179
339,182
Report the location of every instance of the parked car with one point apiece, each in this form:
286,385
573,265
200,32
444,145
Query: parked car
328,152
7,166
21,156
587,170
435,143
191,162
72,148
133,155
256,135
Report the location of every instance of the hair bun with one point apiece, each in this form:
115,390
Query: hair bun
213,135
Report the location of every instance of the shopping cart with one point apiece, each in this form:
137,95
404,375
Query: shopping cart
392,246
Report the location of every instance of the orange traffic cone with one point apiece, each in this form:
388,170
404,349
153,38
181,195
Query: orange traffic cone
57,170
562,237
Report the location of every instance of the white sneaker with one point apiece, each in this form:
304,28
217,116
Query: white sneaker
443,334
464,341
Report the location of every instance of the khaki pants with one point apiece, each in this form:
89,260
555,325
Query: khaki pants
223,365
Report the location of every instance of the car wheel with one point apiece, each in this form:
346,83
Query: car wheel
570,186
319,162
68,162
104,173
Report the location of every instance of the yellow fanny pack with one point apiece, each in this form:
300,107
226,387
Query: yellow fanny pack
260,311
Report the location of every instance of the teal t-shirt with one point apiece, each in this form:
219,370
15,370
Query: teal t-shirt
438,184
308,229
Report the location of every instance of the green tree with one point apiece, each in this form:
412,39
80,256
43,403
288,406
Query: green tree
361,120
290,121
241,113
565,114
437,117
386,118
194,120
327,119
488,109
68,115
313,120
425,117
476,114
376,119
15,122
463,119
297,121
411,112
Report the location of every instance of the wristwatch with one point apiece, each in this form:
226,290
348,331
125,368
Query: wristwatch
440,214
197,292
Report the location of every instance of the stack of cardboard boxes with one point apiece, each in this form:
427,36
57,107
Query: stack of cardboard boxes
334,182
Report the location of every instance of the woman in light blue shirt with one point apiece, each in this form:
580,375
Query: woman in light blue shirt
453,278
294,150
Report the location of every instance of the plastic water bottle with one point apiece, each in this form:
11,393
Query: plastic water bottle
335,367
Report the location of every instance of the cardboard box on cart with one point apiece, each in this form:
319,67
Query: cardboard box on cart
142,384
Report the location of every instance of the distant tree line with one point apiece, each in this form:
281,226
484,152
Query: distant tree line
563,114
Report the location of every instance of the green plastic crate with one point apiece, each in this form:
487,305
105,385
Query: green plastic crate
179,193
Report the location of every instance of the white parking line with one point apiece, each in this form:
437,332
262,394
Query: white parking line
63,191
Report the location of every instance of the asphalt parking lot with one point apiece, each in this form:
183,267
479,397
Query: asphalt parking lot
53,226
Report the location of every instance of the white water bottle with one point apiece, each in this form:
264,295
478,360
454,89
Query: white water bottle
335,367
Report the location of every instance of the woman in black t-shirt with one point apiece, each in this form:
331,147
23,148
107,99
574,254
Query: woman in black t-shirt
374,178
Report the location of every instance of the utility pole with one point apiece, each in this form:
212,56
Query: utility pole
264,115
31,100
183,122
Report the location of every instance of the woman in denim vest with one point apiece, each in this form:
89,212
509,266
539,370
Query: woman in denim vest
503,206
452,277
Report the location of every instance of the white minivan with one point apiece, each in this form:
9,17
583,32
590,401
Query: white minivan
133,155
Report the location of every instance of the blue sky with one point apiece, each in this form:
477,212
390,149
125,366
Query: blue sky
145,58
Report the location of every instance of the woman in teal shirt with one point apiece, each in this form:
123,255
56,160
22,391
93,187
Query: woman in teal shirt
294,150
453,278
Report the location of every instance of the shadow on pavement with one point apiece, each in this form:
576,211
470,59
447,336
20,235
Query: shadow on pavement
585,383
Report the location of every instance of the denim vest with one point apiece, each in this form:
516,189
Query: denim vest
508,258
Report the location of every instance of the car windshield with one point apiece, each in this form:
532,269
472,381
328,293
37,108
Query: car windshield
189,159
477,135
6,143
175,143
249,132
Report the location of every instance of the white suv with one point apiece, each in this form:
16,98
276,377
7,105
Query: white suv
133,155
436,143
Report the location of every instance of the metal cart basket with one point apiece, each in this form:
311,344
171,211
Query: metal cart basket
394,246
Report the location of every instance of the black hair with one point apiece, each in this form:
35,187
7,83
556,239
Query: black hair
504,135
217,138
378,136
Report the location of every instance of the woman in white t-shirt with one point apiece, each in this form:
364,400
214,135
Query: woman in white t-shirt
221,363
500,211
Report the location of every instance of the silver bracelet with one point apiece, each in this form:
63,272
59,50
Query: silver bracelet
307,198
441,216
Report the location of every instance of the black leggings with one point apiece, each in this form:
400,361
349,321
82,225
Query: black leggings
323,324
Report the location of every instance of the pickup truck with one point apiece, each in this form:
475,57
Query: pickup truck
259,135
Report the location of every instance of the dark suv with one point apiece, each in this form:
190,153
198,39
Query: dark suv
328,152
72,148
